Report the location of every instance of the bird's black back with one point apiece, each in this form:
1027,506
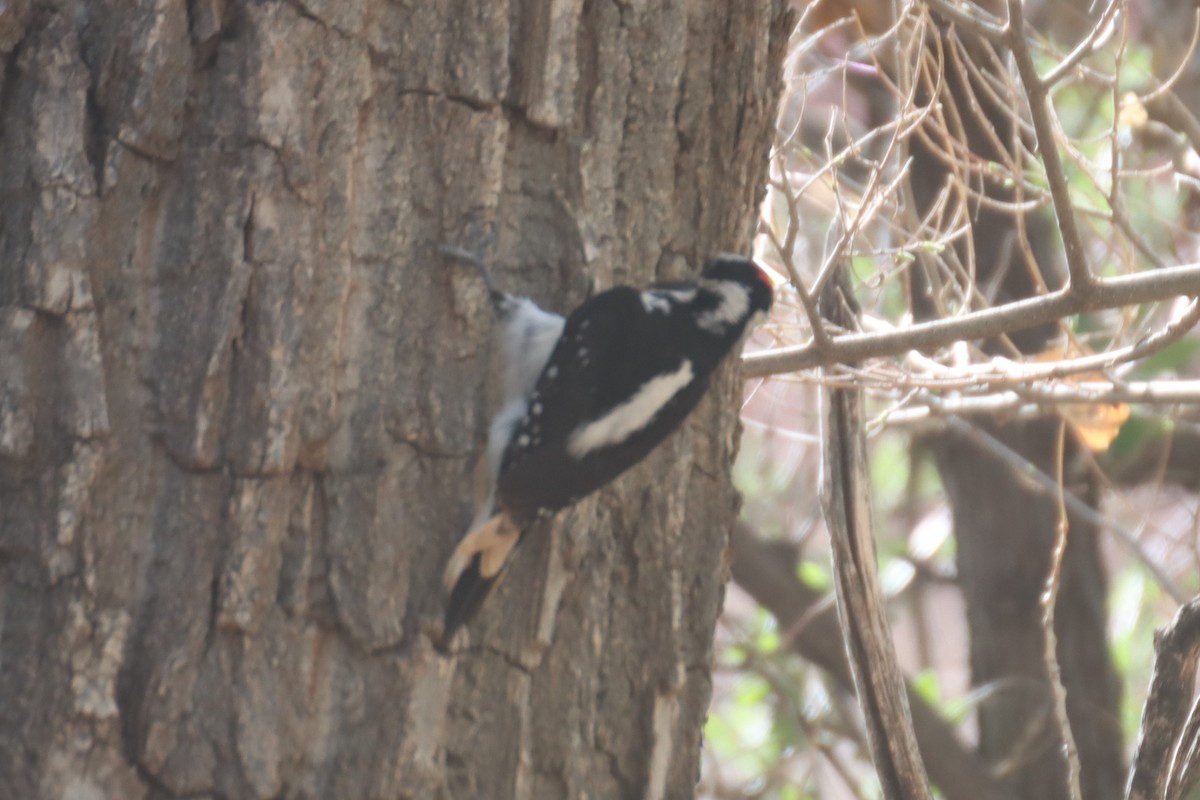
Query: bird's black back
614,345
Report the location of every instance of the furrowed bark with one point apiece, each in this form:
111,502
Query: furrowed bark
241,397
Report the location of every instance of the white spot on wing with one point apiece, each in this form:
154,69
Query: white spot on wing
632,415
504,425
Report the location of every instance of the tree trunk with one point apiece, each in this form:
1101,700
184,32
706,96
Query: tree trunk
1005,532
1004,526
241,399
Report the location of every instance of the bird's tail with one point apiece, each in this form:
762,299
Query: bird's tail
474,568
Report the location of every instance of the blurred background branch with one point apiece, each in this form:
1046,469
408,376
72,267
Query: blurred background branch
1010,189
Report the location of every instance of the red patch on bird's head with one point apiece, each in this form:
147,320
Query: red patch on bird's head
768,276
739,268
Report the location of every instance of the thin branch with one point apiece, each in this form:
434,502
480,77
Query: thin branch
1003,372
845,499
1041,112
1049,604
1100,32
784,688
1174,113
1180,69
1166,392
976,20
872,199
784,251
1108,293
1037,400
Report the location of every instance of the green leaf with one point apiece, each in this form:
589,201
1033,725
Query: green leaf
1171,358
751,690
925,684
1136,433
814,575
767,639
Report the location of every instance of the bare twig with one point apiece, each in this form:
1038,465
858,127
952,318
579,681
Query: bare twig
783,686
1037,400
1042,113
1049,604
1180,69
999,373
1086,47
1116,292
975,19
784,250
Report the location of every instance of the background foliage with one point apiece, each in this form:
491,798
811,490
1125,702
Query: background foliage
1122,110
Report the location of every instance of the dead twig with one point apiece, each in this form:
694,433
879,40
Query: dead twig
1107,293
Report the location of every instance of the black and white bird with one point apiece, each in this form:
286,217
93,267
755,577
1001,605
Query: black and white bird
588,397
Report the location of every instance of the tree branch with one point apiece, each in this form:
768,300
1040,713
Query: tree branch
1039,399
1107,293
1176,651
972,18
1049,604
1082,281
845,498
1085,47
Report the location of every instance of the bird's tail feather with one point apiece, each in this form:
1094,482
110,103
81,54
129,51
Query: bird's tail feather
474,568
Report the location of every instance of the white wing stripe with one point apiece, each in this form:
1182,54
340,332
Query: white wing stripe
632,415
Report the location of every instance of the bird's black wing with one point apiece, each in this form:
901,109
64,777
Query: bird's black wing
611,347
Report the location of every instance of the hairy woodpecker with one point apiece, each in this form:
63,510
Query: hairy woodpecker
589,397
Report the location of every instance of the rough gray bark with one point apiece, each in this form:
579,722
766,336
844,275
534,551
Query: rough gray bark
240,400
1164,764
